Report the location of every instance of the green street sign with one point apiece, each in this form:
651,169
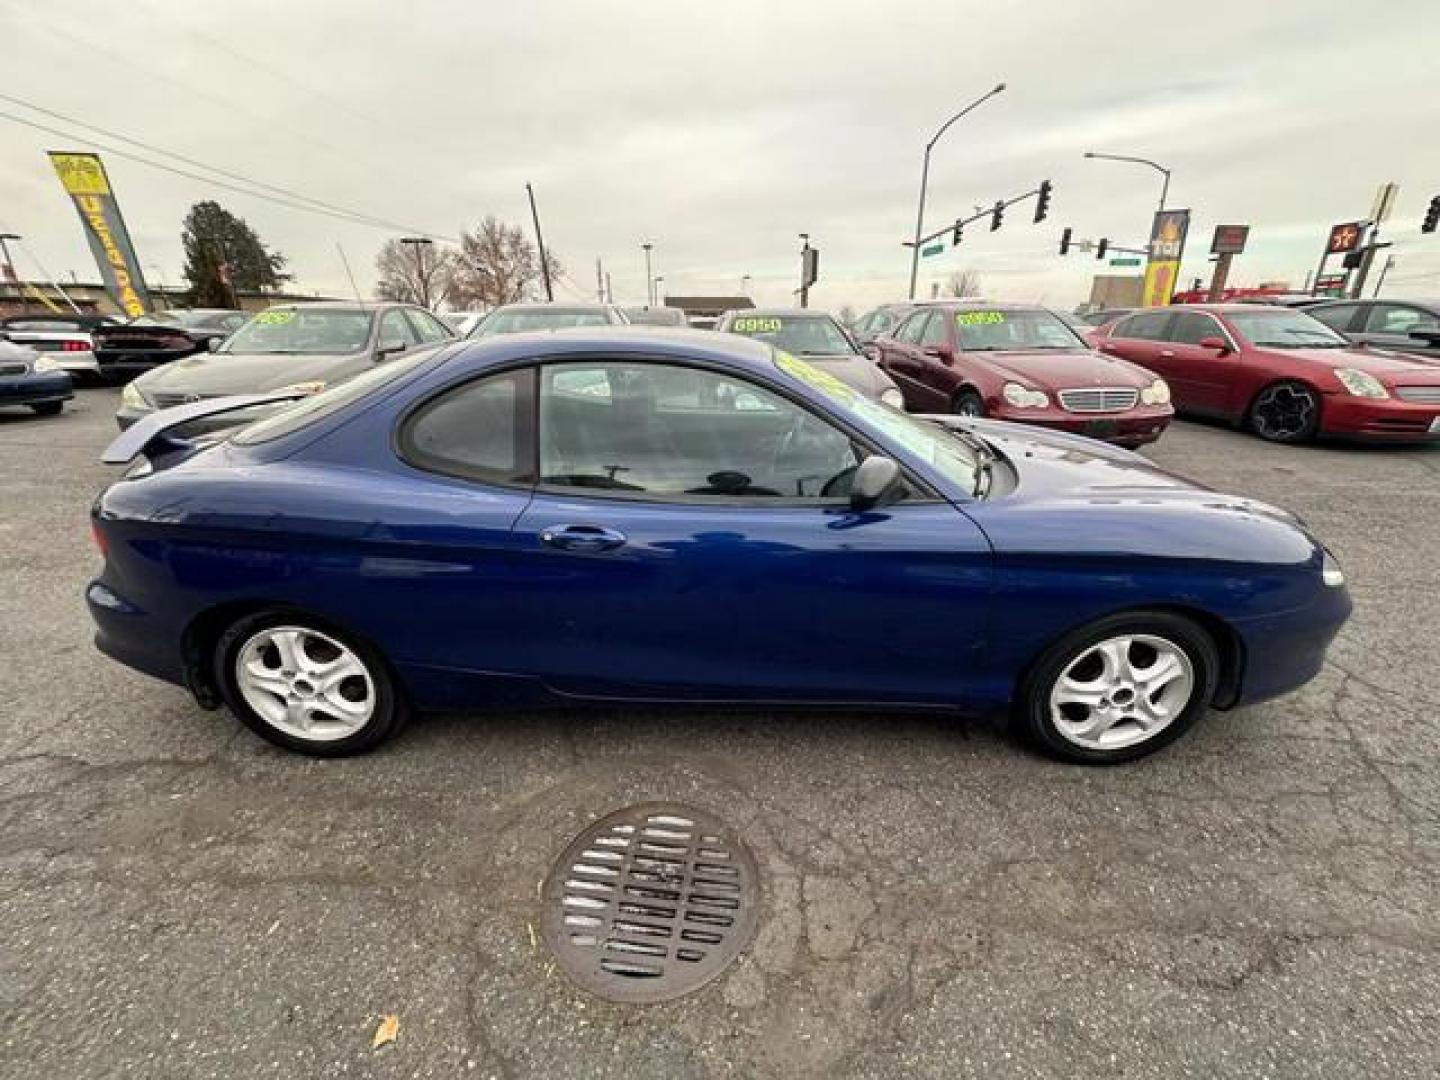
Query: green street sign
933,249
1125,262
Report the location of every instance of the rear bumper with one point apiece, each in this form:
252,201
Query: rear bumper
1284,651
1383,420
1130,429
41,389
135,638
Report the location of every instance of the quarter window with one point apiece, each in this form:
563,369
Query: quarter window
679,433
479,430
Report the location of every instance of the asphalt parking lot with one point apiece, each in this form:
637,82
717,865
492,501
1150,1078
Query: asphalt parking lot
181,899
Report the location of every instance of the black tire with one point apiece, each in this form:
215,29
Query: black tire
389,712
1285,412
1033,716
968,403
47,408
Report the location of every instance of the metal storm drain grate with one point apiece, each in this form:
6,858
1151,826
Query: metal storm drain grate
650,903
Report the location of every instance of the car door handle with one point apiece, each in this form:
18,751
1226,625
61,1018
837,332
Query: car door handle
581,537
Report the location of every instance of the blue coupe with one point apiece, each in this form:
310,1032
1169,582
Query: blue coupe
611,515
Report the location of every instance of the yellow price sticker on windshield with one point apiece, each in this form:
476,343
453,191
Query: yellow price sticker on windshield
979,318
274,318
755,326
809,373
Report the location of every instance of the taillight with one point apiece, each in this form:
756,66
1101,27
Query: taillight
99,538
74,346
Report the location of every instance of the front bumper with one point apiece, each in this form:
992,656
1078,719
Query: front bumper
1132,428
36,389
1382,420
1285,650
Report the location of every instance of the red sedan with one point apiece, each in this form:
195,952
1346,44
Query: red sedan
1013,362
1283,374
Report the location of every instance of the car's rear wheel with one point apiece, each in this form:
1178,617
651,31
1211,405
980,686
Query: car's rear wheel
1286,412
968,403
307,686
1118,689
48,408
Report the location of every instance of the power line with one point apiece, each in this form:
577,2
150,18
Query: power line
152,148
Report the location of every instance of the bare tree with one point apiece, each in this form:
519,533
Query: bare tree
964,283
497,264
414,273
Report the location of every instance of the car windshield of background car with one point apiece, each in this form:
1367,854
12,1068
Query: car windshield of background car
288,330
802,336
995,331
1278,328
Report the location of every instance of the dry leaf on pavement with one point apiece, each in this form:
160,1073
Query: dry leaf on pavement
387,1032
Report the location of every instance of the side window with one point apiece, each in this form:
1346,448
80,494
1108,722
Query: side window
1146,326
935,331
913,328
395,330
1191,328
480,430
1395,319
686,434
232,322
1337,318
428,327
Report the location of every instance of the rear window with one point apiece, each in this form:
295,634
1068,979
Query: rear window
318,406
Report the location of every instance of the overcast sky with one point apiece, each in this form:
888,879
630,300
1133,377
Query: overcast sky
722,131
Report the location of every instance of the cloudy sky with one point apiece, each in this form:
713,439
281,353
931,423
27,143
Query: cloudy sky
722,131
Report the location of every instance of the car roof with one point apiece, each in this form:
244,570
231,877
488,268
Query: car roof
546,305
342,305
680,343
782,313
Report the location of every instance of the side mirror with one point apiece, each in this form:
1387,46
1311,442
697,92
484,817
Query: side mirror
1219,344
387,349
877,480
944,353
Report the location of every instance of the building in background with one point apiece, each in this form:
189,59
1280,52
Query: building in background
703,311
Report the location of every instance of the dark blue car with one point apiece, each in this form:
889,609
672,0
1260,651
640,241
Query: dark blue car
33,380
623,516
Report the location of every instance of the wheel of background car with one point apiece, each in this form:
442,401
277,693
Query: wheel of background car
306,685
48,408
968,403
1285,412
1118,689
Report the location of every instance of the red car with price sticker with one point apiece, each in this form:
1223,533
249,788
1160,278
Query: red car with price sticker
1021,363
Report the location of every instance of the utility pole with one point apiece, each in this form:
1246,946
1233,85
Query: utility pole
419,244
649,280
609,289
599,280
1389,262
540,243
804,271
9,267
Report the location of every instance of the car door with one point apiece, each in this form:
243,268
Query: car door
903,361
1199,376
690,538
1389,326
939,361
1140,338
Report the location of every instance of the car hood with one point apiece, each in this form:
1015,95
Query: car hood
858,372
209,374
1052,369
1387,366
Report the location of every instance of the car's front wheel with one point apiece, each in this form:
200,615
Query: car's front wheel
1118,689
1287,412
307,686
968,403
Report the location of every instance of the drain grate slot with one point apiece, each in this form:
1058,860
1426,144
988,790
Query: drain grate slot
650,903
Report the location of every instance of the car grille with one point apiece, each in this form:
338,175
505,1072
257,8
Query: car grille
1427,395
13,369
1099,399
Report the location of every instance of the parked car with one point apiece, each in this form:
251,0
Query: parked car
1021,363
309,346
1280,372
462,322
1410,326
520,318
880,320
655,316
32,379
65,337
127,349
818,338
619,515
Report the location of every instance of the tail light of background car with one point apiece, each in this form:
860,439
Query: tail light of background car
99,537
74,346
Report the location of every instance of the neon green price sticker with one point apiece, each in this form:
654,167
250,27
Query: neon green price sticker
979,318
274,318
756,326
809,373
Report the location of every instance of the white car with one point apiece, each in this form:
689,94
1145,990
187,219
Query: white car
64,339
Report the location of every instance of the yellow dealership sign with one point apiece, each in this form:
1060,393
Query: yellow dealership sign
83,177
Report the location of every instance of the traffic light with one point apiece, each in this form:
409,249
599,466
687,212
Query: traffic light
997,214
1065,241
1042,201
955,236
1102,247
1432,216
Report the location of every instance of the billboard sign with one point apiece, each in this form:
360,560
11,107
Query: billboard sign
1229,239
83,177
1167,246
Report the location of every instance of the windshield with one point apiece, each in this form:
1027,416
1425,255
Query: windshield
519,320
944,452
992,331
655,316
1280,328
803,335
328,331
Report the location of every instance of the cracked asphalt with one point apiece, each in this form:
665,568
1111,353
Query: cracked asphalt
179,899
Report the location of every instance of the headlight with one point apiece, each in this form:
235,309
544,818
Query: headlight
132,398
314,386
1330,571
1157,393
44,362
892,397
1361,383
1022,397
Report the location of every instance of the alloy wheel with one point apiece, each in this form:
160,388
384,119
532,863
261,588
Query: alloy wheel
305,683
1284,413
1122,691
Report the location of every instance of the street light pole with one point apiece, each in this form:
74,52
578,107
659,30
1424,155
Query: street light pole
925,181
5,239
649,280
744,284
420,243
1165,184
